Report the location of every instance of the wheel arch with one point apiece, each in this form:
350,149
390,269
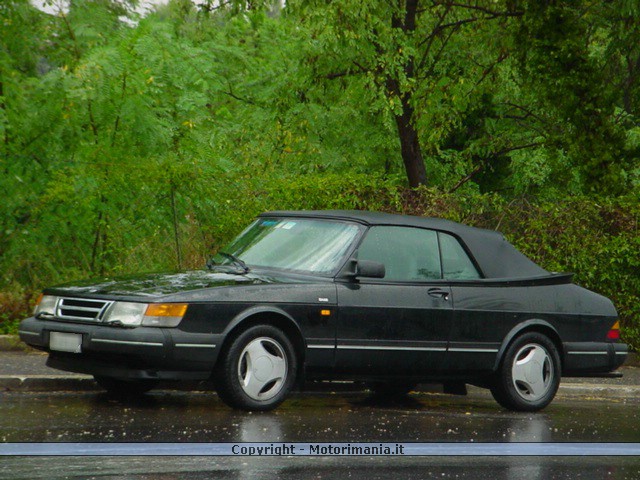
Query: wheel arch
533,325
264,315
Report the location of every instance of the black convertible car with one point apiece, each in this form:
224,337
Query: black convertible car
386,299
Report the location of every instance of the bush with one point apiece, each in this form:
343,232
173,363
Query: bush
598,239
595,237
16,303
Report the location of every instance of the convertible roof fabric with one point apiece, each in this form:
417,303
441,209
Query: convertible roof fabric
495,256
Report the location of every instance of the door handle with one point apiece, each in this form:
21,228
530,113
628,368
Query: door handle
438,293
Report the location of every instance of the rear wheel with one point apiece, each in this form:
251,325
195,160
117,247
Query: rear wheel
529,374
121,387
258,370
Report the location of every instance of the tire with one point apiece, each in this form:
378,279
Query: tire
258,369
529,374
125,388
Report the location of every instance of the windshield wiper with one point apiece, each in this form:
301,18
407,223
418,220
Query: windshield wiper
236,261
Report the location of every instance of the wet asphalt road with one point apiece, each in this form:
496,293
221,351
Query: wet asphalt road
359,468
201,417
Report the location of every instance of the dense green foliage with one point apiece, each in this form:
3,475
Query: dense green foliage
597,239
146,144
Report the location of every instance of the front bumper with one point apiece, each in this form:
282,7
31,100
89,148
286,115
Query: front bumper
140,353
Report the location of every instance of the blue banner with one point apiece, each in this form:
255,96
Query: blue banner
320,449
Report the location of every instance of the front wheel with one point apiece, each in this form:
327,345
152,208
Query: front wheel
529,374
258,370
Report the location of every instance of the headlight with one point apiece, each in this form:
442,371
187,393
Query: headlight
127,313
149,315
46,304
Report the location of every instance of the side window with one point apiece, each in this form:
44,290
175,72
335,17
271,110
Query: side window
456,264
408,254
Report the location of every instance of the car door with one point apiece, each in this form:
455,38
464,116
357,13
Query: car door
398,324
484,312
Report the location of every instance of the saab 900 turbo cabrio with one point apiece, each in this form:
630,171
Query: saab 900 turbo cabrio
385,299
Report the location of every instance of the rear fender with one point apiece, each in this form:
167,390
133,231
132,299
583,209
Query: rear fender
528,326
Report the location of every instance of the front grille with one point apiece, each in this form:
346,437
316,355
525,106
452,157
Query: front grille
81,309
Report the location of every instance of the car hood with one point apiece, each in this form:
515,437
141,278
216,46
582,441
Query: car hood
162,284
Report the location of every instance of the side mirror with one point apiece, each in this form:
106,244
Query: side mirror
369,269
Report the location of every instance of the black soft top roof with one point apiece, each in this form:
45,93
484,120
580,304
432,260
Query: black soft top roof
495,256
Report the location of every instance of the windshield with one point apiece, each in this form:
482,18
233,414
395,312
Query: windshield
300,244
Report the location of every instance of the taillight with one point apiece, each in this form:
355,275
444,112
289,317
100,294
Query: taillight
614,333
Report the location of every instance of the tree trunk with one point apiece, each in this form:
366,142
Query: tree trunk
410,146
409,141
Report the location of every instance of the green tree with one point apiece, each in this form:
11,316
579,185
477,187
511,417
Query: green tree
523,96
560,54
424,62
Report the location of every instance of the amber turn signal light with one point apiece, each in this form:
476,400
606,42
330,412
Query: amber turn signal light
166,310
614,333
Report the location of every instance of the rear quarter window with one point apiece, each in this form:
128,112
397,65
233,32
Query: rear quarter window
456,264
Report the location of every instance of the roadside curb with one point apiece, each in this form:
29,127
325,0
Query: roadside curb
600,391
46,383
85,383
